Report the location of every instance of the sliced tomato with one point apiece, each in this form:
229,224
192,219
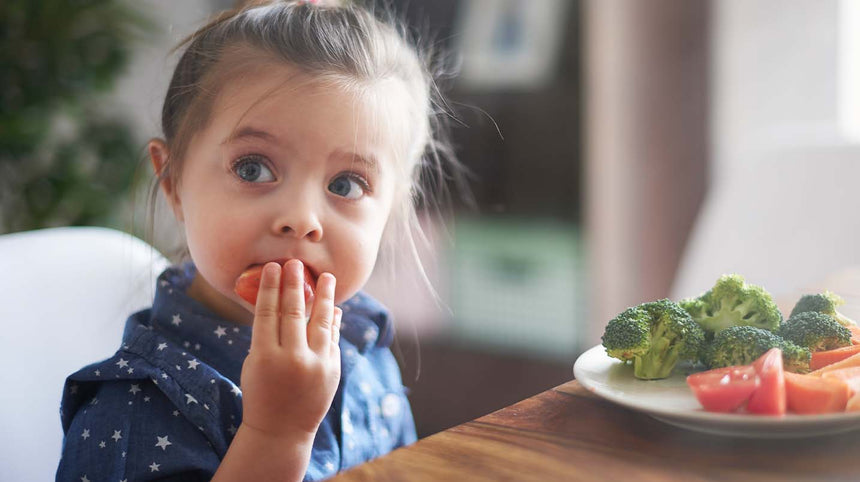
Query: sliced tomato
248,284
724,389
769,397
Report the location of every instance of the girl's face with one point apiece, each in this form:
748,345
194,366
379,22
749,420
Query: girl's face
285,168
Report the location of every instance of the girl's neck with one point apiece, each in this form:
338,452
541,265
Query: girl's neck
201,291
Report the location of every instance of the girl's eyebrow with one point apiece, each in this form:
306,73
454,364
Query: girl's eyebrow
252,132
369,161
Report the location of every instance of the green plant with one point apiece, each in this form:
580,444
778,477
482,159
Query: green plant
63,159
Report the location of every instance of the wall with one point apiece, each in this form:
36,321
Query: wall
646,131
781,207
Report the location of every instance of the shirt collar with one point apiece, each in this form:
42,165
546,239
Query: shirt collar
183,320
366,323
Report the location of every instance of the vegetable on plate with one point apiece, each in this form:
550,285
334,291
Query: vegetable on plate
815,331
742,345
724,389
758,388
809,394
825,303
733,302
654,337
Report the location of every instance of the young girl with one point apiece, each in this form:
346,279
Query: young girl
294,137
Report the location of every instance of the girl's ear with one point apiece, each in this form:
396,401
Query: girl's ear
159,155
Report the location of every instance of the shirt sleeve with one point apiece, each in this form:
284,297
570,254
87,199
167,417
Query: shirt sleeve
131,431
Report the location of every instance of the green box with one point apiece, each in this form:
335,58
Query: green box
517,285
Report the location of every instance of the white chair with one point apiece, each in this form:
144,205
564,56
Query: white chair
64,296
786,222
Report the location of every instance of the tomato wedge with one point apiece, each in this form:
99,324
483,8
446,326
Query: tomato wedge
248,284
724,389
769,397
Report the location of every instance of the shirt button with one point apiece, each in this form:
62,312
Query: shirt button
390,405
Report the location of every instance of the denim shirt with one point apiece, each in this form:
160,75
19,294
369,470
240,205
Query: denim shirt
168,403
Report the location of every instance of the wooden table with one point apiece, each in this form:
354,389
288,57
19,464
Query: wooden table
567,433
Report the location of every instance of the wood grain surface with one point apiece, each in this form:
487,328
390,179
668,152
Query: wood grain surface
567,433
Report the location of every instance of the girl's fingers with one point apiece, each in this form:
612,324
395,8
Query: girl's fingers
322,315
335,329
293,321
265,330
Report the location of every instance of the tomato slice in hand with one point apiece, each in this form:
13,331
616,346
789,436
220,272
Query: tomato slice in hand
769,397
248,284
724,389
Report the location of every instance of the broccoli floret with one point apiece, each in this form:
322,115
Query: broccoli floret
628,335
815,331
823,303
742,345
733,302
654,336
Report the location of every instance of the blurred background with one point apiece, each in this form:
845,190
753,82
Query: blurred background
622,151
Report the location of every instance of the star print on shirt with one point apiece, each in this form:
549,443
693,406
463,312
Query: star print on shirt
134,388
102,444
155,343
176,319
85,479
86,434
162,442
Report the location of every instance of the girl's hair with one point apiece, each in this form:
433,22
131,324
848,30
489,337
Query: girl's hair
346,45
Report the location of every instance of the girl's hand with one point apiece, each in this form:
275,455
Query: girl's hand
293,368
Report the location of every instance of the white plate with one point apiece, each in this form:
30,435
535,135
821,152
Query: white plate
671,401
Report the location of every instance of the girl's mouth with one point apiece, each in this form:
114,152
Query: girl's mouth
248,283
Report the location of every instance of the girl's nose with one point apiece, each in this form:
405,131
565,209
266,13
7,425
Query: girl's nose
300,222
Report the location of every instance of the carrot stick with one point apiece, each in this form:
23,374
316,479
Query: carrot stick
853,404
807,394
851,361
821,359
851,377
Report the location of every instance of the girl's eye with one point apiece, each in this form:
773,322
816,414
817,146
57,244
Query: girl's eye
348,186
252,169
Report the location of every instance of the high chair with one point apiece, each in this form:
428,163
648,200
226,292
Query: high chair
64,296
